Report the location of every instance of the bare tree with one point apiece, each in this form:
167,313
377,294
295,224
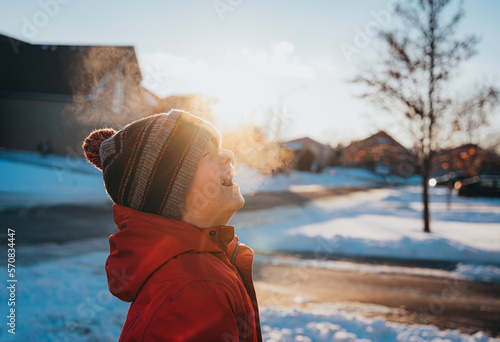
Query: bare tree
474,114
413,75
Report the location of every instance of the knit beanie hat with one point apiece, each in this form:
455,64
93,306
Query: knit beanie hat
149,164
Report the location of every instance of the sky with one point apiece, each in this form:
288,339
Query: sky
281,64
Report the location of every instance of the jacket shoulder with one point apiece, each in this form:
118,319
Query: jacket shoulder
189,267
187,271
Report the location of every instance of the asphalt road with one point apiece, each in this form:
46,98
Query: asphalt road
448,304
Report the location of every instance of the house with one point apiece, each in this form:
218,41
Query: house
52,96
467,160
311,155
380,153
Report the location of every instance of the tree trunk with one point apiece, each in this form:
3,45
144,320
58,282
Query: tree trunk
425,193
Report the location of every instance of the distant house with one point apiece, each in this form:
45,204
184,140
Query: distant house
468,160
51,96
380,153
311,155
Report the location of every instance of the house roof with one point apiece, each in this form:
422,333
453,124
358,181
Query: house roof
151,98
61,70
460,148
381,137
298,143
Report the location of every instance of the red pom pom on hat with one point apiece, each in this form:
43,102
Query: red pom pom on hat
92,144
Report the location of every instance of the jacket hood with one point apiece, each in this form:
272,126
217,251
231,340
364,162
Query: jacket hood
145,242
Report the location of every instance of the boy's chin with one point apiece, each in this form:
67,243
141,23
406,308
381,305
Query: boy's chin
237,202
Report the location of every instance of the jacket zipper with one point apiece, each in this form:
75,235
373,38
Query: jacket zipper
233,257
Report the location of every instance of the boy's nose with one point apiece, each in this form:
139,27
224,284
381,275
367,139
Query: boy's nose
226,156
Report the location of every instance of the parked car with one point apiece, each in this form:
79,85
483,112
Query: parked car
448,179
484,186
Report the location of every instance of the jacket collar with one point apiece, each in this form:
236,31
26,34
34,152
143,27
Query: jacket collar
146,241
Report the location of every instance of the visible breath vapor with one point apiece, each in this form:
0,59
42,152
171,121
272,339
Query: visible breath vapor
253,150
106,88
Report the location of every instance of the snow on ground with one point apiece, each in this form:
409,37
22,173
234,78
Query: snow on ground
381,223
29,179
330,323
68,300
65,300
478,273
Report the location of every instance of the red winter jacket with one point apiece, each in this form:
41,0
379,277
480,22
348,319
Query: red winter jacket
185,283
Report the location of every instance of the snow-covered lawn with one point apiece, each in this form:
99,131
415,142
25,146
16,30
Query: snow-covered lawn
330,323
28,179
382,223
68,300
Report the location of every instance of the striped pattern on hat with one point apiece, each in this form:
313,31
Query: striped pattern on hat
150,163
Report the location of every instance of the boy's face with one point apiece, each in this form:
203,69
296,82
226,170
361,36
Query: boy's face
213,197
